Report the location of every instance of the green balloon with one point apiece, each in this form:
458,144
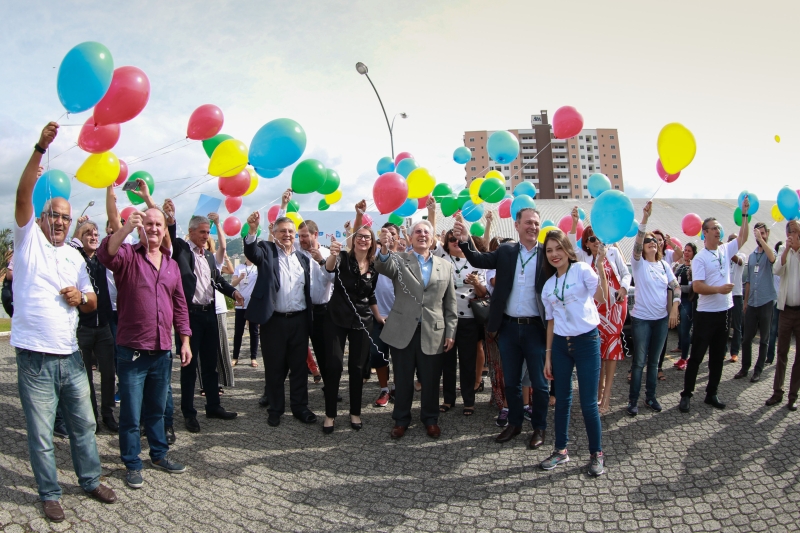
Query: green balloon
323,205
246,230
463,196
449,205
477,229
737,216
442,190
492,191
396,219
148,179
209,145
308,176
331,182
292,207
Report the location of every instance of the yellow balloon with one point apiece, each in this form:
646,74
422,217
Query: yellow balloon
495,174
420,183
99,170
474,188
777,216
228,159
334,197
544,231
253,182
676,147
296,218
777,138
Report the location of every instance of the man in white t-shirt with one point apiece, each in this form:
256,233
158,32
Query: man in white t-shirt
50,284
712,282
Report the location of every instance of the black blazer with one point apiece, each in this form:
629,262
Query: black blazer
264,255
504,259
183,255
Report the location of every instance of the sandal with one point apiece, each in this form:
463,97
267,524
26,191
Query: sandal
253,363
480,387
661,376
468,411
444,408
317,378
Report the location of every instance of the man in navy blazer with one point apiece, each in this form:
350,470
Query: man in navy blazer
516,314
281,303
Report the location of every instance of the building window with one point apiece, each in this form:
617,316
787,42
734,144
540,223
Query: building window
516,167
472,168
613,166
505,167
472,139
585,186
613,156
577,196
585,197
611,137
594,137
472,159
591,167
508,188
581,138
616,176
591,158
583,147
574,156
583,167
613,146
616,187
577,186
574,166
583,157
595,147
471,148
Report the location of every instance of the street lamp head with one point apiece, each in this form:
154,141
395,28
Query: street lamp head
361,68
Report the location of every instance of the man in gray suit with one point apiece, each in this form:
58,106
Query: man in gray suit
421,325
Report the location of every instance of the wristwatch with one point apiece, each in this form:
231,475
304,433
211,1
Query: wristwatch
84,299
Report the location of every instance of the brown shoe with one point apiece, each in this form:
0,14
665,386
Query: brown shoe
508,433
53,511
537,439
398,432
775,399
103,494
433,431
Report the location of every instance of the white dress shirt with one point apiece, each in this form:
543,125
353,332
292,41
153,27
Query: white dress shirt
522,300
321,279
290,297
203,292
789,272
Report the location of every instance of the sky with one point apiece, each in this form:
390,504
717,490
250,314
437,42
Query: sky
727,70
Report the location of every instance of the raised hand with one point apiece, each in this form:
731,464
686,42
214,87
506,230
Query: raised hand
214,217
576,216
252,222
460,230
336,247
387,241
285,198
646,212
48,135
142,190
361,207
169,210
134,221
81,220
489,216
430,203
601,253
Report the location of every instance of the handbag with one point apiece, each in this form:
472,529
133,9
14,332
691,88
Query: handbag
480,309
670,292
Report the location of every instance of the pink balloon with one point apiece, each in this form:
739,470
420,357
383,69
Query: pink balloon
232,225
205,122
504,209
389,192
123,173
401,156
565,225
366,220
422,201
125,98
125,213
235,185
567,122
669,178
233,203
98,139
272,214
691,224
676,242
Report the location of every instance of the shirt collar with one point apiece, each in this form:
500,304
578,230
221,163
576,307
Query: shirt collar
196,248
139,246
421,258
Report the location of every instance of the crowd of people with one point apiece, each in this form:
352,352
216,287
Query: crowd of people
437,309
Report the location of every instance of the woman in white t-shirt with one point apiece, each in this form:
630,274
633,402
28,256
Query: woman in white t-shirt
244,279
573,342
649,319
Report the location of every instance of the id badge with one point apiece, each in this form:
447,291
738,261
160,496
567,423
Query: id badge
245,282
459,283
756,269
521,277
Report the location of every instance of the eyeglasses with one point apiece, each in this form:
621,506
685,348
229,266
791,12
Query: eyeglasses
421,232
361,237
55,216
592,239
648,240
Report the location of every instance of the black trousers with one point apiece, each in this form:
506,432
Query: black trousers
284,347
205,344
318,339
238,333
97,345
710,333
756,318
463,355
429,367
357,359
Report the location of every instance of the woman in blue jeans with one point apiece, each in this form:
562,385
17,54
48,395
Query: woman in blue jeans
573,342
653,278
683,273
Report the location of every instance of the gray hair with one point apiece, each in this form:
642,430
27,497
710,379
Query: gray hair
89,224
425,223
48,205
196,220
282,220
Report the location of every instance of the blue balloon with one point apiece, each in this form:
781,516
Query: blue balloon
472,212
385,164
268,172
523,201
462,155
634,229
598,184
612,216
278,144
405,166
581,213
754,204
548,222
527,188
789,203
408,208
503,147
578,243
84,76
51,184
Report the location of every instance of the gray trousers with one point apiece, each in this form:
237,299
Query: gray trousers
756,319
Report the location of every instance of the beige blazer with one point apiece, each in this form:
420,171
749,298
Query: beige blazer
434,305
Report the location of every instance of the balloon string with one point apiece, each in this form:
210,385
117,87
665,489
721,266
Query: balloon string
136,159
143,158
65,151
658,189
194,185
69,125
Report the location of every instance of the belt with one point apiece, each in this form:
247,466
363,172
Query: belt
145,352
320,307
521,320
288,315
791,307
195,308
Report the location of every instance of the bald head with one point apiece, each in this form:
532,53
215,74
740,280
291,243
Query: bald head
55,219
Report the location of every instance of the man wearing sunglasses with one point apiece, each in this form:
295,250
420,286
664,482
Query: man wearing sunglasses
712,283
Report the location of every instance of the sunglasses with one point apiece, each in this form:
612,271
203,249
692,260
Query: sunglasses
592,239
452,239
648,240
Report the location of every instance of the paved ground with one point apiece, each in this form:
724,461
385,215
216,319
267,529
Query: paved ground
734,470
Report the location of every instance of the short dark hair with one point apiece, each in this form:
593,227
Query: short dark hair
523,210
310,224
693,246
388,225
706,221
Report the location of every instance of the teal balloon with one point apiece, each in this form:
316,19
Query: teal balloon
408,208
527,188
634,229
523,201
84,76
51,184
472,212
754,203
462,198
503,147
547,223
405,166
278,144
462,155
598,184
581,213
385,164
268,172
612,216
789,203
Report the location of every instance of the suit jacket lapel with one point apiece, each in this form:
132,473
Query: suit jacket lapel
276,269
412,264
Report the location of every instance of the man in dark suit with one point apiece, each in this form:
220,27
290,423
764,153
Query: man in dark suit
516,314
281,303
199,276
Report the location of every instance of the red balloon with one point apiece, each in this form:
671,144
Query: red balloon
233,203
691,224
123,173
669,178
98,139
205,122
125,213
565,225
235,185
232,225
676,242
422,201
272,214
125,98
366,220
389,192
504,209
567,122
401,156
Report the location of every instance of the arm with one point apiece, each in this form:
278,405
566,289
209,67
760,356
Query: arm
548,364
169,211
384,265
578,250
180,321
112,212
450,309
487,235
220,255
479,260
575,217
430,203
601,293
477,285
638,246
333,258
23,210
745,296
115,241
376,314
252,250
701,287
780,267
78,224
672,283
745,229
227,266
358,222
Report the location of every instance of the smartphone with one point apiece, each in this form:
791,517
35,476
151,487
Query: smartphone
130,186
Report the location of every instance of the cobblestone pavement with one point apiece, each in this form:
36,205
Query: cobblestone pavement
731,470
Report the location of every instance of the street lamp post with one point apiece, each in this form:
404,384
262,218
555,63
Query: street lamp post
363,70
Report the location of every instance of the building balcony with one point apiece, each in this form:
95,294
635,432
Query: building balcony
559,149
527,150
561,179
530,170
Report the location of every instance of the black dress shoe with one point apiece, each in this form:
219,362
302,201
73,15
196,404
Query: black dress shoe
683,407
169,431
263,401
327,429
192,425
508,433
756,377
537,439
713,401
356,425
792,405
274,420
221,413
339,398
111,424
775,399
305,416
740,374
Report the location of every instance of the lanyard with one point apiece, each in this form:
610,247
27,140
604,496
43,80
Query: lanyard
718,259
563,285
455,267
528,260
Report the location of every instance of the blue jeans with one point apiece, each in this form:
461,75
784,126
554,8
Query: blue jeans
46,382
648,340
518,343
143,384
685,330
581,352
773,334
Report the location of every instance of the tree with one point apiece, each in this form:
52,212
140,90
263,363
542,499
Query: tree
6,244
